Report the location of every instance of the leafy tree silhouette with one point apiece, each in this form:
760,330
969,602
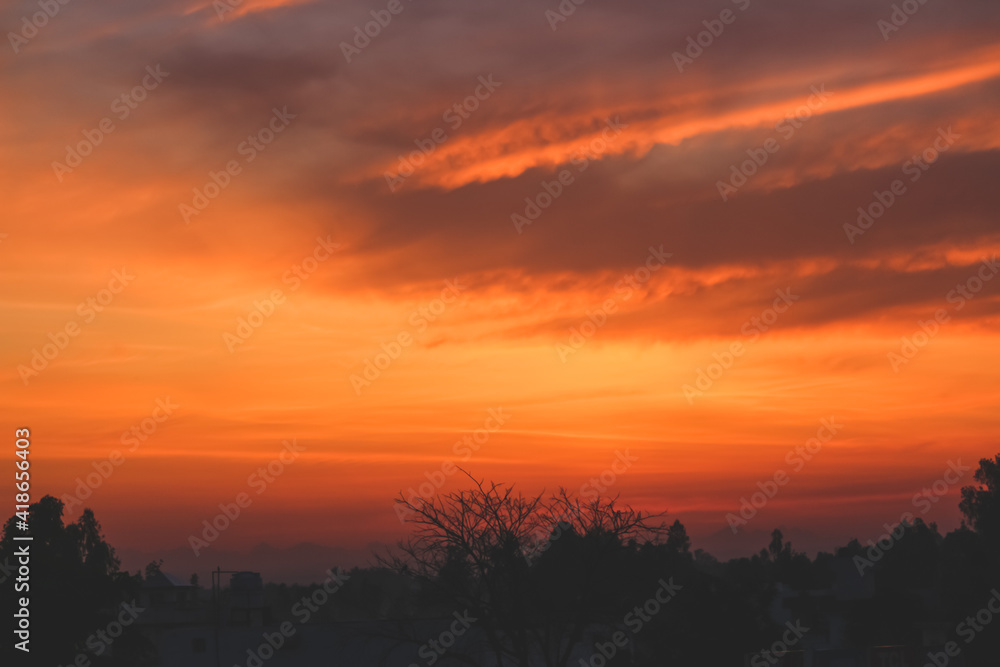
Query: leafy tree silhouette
981,504
76,588
677,538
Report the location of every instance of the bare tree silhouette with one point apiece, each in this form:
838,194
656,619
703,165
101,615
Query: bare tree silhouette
535,571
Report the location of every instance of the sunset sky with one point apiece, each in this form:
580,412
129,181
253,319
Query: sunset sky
265,158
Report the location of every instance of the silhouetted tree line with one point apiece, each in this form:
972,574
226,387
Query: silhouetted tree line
76,590
547,578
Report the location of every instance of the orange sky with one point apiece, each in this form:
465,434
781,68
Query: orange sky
309,220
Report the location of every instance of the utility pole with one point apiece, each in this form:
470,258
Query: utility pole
216,594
